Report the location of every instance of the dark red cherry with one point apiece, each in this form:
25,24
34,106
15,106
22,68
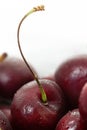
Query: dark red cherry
83,105
13,74
29,112
4,122
70,121
71,76
6,110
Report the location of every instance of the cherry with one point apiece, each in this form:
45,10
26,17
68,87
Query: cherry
6,110
71,76
39,104
29,111
4,122
83,105
13,74
70,121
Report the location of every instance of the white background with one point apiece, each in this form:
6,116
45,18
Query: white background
48,37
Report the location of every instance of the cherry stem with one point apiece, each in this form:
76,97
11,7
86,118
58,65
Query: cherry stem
43,94
3,56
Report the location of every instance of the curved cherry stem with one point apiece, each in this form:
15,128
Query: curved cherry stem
43,94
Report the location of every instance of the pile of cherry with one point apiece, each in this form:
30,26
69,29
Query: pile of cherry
21,103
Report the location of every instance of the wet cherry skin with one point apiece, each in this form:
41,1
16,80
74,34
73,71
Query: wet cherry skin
4,122
13,74
29,111
83,105
70,121
71,76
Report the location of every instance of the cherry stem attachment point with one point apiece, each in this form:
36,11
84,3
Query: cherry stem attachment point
43,94
3,56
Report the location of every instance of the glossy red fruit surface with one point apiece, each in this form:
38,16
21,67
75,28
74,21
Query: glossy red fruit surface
71,76
6,110
83,105
4,122
70,121
30,113
13,74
